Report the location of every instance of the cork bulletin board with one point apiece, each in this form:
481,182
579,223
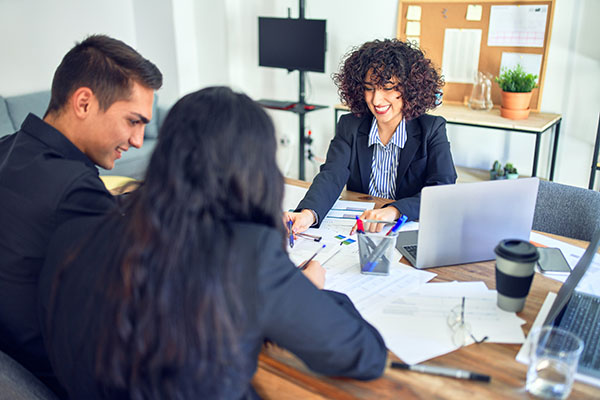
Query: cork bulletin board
437,16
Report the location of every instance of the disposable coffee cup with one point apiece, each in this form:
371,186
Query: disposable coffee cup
515,262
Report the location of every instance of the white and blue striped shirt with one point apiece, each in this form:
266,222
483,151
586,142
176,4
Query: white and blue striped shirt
382,182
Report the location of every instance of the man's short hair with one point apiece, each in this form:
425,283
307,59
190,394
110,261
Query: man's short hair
105,65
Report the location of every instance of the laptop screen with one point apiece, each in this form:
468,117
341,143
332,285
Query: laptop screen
567,289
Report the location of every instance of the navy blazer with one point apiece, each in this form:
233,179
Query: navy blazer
425,160
321,327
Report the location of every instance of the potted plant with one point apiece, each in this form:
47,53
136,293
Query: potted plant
516,87
500,174
494,171
511,171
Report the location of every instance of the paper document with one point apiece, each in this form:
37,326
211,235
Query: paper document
413,13
292,195
415,328
413,28
531,63
474,12
517,26
460,59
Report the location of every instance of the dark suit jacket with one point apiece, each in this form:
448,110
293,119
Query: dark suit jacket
425,160
44,181
322,328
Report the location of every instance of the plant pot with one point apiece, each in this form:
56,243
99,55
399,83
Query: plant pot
515,105
512,176
492,175
516,100
514,114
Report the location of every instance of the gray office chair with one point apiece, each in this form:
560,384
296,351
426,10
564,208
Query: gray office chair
16,383
566,210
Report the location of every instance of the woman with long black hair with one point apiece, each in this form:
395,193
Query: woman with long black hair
173,296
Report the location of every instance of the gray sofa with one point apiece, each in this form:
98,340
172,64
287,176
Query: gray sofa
133,163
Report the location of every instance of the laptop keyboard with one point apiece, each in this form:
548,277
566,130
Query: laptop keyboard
582,317
412,250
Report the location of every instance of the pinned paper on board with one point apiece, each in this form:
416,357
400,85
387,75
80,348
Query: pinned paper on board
474,12
531,63
413,28
519,26
460,60
413,13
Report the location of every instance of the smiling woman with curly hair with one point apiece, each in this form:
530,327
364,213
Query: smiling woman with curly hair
388,147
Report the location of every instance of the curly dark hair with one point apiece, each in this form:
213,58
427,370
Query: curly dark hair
418,80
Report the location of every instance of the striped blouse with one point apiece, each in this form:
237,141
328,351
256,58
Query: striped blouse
382,182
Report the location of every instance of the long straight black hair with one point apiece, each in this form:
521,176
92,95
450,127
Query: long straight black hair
173,303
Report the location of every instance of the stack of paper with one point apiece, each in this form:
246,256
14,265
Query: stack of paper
414,325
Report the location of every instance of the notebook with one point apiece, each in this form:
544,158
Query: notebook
463,223
579,312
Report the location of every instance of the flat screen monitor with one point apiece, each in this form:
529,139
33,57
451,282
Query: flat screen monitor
292,43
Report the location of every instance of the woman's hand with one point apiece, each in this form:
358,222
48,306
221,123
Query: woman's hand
301,220
315,273
381,214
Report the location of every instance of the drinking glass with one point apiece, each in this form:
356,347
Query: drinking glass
554,355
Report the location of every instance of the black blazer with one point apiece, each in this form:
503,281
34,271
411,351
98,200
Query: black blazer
321,327
425,160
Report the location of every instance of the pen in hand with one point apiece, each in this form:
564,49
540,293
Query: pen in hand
359,225
443,371
303,266
290,223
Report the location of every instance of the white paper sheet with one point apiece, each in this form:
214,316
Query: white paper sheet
413,13
474,12
531,63
414,326
292,195
413,28
460,60
517,26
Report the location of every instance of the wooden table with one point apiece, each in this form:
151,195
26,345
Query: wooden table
283,376
538,123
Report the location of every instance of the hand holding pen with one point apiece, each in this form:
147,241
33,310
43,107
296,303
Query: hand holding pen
305,263
375,220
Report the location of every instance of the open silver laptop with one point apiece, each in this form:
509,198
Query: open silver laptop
579,312
463,223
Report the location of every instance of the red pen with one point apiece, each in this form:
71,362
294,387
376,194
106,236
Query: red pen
359,225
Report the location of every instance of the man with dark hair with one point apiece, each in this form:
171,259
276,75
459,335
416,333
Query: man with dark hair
102,95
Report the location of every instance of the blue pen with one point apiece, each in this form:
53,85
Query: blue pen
290,223
398,225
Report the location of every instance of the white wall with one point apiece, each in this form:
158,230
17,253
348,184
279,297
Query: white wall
203,42
35,35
